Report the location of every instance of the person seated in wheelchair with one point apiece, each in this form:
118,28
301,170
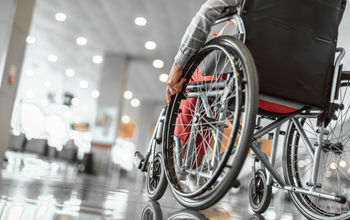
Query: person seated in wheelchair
194,38
279,73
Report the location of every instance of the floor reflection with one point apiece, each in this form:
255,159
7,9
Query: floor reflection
35,188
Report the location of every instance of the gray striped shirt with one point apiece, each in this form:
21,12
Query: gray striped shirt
197,32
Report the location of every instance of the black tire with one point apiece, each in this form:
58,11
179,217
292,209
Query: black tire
245,108
152,211
259,192
297,163
156,184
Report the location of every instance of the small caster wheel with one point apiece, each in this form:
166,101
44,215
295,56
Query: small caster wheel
259,192
156,181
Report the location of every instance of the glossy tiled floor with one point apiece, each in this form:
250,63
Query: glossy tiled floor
32,188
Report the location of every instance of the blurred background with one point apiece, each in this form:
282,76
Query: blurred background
82,84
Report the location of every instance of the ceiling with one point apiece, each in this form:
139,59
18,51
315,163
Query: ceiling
109,26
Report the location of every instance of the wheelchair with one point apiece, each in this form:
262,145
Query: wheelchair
291,76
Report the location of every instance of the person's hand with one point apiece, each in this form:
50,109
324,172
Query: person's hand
174,82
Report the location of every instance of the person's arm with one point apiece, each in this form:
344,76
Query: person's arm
195,36
197,32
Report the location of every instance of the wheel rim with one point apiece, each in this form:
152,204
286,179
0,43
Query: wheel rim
204,177
334,170
154,179
258,190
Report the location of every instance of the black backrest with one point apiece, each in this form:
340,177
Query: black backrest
293,43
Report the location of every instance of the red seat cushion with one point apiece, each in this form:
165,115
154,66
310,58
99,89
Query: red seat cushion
273,107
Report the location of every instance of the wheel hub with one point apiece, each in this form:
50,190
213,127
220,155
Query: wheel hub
336,148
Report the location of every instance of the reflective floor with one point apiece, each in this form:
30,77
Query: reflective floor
32,188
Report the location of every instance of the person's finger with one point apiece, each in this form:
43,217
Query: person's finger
172,90
179,85
168,98
182,81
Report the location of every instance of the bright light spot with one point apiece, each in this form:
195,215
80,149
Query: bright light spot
44,102
30,72
158,64
57,130
333,166
60,17
47,84
52,58
128,94
150,45
95,93
97,59
135,102
140,21
30,94
31,40
163,77
75,101
32,120
84,84
125,119
70,72
342,163
301,163
81,41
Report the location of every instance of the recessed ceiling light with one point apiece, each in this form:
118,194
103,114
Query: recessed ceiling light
150,45
31,40
60,16
163,77
128,94
95,93
301,163
75,101
30,72
47,84
97,59
158,63
333,166
81,41
52,58
70,72
84,84
135,102
342,163
140,21
125,119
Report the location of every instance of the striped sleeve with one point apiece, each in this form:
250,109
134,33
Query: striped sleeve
197,32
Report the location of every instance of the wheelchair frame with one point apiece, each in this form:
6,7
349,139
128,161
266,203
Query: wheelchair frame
273,178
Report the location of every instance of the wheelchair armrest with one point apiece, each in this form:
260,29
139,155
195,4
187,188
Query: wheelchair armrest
228,14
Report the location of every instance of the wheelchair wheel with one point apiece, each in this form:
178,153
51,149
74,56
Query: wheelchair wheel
152,211
259,192
202,150
334,169
156,182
